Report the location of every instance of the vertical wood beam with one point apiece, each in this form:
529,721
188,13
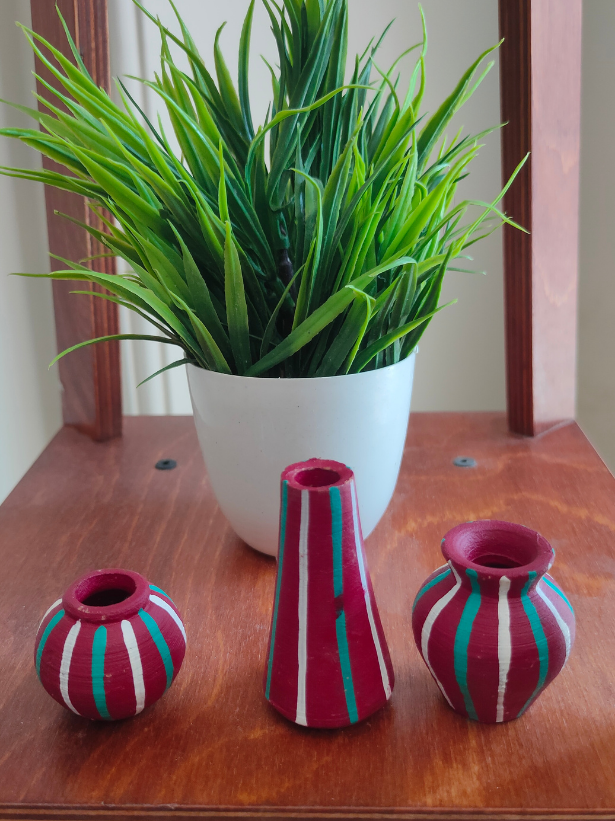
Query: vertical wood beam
540,75
92,399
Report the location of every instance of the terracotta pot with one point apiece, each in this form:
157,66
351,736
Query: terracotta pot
492,626
328,663
111,646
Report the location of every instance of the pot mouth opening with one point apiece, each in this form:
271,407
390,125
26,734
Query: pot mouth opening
105,590
106,595
317,477
498,547
496,561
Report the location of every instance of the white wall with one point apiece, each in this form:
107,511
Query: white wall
596,339
461,362
29,394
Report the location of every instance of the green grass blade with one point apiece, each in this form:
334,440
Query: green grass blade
112,338
236,306
244,71
366,356
175,364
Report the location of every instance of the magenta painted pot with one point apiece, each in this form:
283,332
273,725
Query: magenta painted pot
111,646
492,626
328,663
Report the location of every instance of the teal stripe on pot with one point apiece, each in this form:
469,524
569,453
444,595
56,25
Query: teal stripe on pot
278,584
539,637
336,538
43,641
160,642
559,592
335,500
158,590
427,587
99,647
462,640
342,643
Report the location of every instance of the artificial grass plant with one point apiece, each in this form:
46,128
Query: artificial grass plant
314,245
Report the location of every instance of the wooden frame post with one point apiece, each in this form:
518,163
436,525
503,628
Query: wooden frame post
540,75
92,399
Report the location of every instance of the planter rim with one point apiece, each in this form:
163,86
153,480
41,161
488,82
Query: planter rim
99,581
471,540
296,379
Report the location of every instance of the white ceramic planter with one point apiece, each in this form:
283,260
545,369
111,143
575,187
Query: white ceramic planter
251,429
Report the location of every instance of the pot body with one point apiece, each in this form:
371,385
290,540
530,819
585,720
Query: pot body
328,663
111,646
251,429
492,626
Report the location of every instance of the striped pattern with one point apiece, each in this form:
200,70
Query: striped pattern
42,641
300,715
327,662
99,648
278,582
67,657
462,640
540,639
492,642
113,670
337,534
358,540
441,574
560,621
504,645
427,627
136,666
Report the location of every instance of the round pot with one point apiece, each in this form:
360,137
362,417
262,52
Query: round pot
492,626
251,429
111,646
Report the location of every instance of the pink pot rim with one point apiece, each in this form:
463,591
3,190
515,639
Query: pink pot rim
99,581
313,475
473,544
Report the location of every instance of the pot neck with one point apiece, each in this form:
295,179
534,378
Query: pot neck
496,557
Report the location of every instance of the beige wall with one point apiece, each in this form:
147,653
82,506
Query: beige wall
596,362
29,393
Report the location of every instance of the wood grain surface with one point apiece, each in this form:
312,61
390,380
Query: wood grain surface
213,747
92,395
540,78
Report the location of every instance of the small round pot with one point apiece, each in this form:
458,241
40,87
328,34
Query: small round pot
492,626
250,430
111,646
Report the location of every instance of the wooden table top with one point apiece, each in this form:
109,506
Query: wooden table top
213,747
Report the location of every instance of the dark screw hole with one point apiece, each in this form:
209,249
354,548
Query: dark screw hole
166,464
464,462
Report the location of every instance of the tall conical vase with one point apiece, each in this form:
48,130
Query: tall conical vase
328,663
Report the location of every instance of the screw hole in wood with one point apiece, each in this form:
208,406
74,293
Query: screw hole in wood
166,464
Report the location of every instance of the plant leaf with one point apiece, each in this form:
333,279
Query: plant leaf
236,306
